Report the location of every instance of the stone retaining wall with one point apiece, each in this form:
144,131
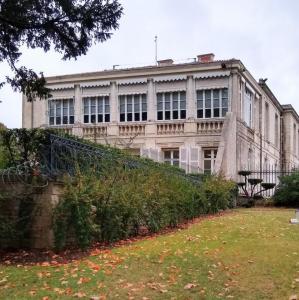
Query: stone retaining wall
43,201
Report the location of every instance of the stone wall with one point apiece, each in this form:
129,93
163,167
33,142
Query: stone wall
42,201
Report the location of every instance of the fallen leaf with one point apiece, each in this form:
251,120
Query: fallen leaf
189,286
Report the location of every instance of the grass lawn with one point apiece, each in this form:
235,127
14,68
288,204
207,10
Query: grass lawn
245,254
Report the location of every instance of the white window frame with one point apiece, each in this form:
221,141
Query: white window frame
172,159
212,159
247,106
171,109
104,111
220,107
141,108
70,111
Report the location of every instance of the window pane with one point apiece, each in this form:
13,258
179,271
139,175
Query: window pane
100,105
93,119
176,154
207,153
207,167
160,115
100,118
167,154
167,115
71,102
200,104
183,114
72,119
122,118
216,112
175,105
200,113
208,95
136,104
224,102
208,103
199,95
224,93
167,101
129,104
51,121
175,115
107,118
183,104
137,116
215,94
86,118
183,96
216,103
144,116
208,113
129,117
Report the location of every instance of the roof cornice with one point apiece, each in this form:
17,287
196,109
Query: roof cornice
148,71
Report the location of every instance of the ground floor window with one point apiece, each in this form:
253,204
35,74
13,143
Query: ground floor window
172,156
209,160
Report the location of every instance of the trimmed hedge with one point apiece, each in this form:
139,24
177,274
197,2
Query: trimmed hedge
119,204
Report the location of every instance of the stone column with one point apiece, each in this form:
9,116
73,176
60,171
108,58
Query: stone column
191,99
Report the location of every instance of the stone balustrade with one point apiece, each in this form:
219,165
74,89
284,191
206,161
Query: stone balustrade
132,130
170,128
210,126
94,131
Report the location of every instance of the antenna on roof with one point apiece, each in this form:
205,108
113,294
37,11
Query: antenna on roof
156,50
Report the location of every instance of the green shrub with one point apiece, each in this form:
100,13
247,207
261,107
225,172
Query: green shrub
287,191
117,204
218,192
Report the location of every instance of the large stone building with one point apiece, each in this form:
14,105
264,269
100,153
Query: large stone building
205,116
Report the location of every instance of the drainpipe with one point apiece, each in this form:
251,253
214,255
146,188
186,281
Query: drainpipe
261,136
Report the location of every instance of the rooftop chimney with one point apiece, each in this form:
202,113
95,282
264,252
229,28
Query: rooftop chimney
205,58
165,62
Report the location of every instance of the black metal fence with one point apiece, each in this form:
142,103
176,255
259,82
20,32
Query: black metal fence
269,174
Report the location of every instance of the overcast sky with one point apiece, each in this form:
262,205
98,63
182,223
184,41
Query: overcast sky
262,33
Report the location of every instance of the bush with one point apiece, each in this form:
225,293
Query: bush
119,203
219,193
287,192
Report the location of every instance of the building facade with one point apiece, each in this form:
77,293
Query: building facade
207,116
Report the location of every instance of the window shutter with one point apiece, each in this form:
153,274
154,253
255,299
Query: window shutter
145,153
161,156
154,154
194,159
184,159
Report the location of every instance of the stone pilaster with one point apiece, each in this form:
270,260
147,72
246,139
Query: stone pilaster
191,99
113,102
151,101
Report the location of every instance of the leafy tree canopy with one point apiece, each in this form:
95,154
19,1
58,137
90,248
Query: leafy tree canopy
68,26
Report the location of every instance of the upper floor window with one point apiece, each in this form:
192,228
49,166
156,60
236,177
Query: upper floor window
61,112
96,109
212,103
247,107
171,105
132,108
